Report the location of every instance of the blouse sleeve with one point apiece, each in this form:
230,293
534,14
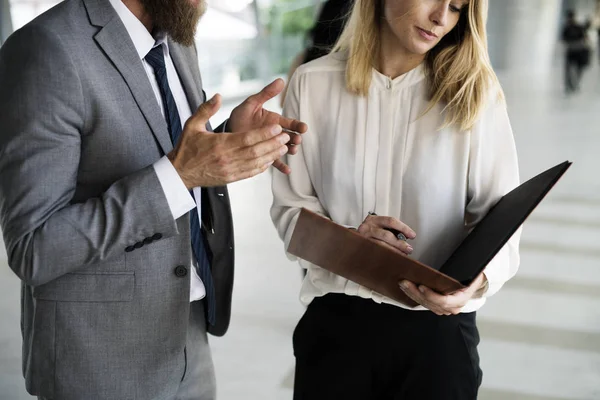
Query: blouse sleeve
293,192
493,172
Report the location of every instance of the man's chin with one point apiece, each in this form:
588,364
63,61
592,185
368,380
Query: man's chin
177,18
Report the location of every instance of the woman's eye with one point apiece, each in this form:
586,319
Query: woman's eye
454,9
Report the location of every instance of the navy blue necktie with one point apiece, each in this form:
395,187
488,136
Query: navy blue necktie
156,60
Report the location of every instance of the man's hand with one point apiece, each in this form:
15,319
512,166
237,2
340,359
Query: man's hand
374,227
251,115
203,158
444,304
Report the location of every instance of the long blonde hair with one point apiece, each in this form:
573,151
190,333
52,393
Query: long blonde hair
459,70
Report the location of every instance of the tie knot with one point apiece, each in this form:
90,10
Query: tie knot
156,59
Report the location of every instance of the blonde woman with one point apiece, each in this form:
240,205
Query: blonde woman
407,120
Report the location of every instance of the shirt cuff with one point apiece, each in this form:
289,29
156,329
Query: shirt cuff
496,273
179,198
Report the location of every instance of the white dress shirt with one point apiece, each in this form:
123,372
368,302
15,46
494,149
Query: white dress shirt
179,199
379,153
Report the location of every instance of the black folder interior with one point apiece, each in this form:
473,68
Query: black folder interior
501,222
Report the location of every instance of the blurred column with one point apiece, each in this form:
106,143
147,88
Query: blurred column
262,49
5,21
523,34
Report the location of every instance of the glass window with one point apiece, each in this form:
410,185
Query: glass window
23,11
242,44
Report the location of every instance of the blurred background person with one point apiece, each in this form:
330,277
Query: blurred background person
577,52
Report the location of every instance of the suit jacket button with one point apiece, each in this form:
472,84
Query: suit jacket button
138,245
180,271
157,236
129,249
148,240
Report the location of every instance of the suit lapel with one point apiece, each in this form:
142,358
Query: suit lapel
185,64
114,39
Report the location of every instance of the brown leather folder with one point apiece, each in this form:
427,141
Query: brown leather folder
348,254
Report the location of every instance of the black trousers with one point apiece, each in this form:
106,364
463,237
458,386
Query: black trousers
349,348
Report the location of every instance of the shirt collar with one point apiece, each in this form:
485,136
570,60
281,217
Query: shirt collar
413,76
142,40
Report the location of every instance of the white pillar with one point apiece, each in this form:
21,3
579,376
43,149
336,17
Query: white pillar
5,21
523,34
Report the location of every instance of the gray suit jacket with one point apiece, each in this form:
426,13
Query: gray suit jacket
80,128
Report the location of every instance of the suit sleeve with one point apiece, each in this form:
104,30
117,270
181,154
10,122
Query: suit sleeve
42,117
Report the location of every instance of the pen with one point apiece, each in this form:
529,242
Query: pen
397,233
289,131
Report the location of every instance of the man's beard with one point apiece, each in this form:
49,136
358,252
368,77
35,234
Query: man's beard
177,18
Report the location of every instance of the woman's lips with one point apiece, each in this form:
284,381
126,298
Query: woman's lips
428,35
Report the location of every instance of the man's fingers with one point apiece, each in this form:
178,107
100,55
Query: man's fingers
249,160
293,125
292,149
206,110
267,93
256,154
251,173
296,137
271,158
256,157
253,137
282,167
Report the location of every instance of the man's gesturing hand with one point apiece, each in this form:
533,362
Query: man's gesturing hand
205,159
251,115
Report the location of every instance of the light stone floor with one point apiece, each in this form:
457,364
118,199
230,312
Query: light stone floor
540,334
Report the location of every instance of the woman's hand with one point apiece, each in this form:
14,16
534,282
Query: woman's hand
376,227
440,304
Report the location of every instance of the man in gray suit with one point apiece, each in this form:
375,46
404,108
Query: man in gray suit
123,241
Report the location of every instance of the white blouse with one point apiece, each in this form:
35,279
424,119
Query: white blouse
377,153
